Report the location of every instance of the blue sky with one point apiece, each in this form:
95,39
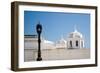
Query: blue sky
57,24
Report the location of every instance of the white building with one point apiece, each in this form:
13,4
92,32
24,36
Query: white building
31,42
62,43
58,50
74,40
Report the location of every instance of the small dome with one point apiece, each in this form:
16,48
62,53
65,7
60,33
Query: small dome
62,41
75,34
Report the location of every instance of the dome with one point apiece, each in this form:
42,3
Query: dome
75,34
62,41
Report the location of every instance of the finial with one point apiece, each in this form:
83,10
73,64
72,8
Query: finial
75,28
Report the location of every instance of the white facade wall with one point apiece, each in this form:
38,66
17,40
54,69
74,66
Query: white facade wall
80,40
47,45
32,43
61,45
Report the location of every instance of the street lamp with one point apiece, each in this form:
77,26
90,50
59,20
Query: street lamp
39,30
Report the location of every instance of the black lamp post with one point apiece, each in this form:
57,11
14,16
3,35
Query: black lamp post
39,30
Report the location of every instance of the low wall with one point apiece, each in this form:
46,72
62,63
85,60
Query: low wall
57,54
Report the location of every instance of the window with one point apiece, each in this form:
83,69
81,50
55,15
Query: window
77,43
70,43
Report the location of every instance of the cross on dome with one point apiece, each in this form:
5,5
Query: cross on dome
75,30
75,33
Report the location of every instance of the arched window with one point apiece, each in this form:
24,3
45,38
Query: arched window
70,43
77,43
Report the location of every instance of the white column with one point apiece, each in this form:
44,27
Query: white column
75,44
83,43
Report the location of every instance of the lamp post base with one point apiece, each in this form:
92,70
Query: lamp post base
39,59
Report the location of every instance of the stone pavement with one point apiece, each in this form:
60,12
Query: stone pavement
57,54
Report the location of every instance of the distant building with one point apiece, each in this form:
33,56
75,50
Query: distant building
62,43
74,40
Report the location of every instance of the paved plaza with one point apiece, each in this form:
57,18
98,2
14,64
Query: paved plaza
57,54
